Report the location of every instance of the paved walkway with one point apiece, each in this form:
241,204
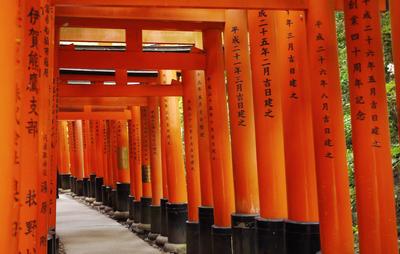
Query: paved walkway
86,231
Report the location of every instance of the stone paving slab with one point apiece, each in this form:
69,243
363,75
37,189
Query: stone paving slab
83,230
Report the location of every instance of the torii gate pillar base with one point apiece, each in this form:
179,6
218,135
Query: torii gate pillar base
104,195
51,242
177,217
221,240
65,181
79,187
137,204
86,186
155,221
131,210
123,190
164,217
270,236
206,221
72,183
302,238
92,192
99,189
145,214
243,233
192,237
113,199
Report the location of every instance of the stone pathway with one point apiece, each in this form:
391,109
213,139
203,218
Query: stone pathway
83,230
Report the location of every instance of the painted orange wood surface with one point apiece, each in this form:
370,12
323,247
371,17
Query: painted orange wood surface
370,129
221,157
267,94
241,112
329,137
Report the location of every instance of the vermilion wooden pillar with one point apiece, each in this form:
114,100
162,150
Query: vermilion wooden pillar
123,152
9,181
329,140
123,184
189,79
145,211
98,160
164,154
113,162
113,153
106,163
177,192
221,158
155,163
395,22
51,75
302,229
242,130
267,92
136,163
206,211
92,157
72,154
79,157
370,129
31,50
64,165
86,157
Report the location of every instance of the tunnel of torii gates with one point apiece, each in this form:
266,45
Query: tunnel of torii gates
91,92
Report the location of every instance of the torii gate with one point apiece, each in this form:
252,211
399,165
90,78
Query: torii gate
272,179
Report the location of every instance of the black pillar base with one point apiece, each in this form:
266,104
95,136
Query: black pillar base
65,181
270,236
177,217
164,217
206,220
192,237
108,196
221,240
86,187
302,238
114,199
92,192
131,207
99,189
51,242
137,205
72,182
243,233
145,211
123,190
79,187
155,219
104,195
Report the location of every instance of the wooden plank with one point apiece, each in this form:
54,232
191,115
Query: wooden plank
138,13
130,60
77,103
119,91
142,24
125,115
203,4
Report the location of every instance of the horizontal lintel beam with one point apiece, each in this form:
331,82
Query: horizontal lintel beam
137,13
101,78
78,103
119,91
110,22
124,115
203,4
130,60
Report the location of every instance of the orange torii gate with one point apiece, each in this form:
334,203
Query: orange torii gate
272,179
